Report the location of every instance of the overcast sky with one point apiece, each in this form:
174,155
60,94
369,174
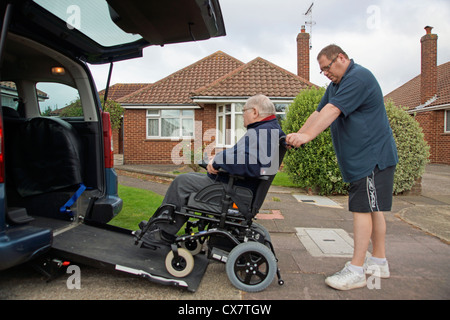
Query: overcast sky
382,35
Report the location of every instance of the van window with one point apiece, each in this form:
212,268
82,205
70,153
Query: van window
58,100
9,95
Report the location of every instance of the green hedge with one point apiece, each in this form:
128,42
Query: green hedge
413,150
315,166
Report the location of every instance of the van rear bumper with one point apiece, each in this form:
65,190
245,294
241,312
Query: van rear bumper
19,244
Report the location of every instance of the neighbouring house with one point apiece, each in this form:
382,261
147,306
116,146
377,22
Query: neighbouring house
427,97
9,95
200,106
116,92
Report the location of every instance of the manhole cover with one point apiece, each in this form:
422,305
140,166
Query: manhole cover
317,200
322,242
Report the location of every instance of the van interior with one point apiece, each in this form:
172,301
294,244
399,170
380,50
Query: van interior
48,159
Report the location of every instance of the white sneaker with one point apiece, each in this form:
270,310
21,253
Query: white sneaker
346,279
378,270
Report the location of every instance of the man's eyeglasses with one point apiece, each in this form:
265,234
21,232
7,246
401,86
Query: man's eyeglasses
327,68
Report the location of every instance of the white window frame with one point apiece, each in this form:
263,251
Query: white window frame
447,121
153,113
221,136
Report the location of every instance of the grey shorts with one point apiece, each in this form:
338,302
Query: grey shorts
372,193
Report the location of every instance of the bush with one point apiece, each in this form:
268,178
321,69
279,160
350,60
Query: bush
413,151
314,166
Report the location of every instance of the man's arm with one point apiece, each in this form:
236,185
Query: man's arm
316,123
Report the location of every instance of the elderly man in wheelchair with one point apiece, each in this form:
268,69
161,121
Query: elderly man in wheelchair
218,207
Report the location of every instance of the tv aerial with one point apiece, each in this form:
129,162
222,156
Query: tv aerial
310,22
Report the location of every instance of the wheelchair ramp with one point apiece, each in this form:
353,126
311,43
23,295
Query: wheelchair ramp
113,248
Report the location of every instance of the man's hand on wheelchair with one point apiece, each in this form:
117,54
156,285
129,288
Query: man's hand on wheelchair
210,167
296,140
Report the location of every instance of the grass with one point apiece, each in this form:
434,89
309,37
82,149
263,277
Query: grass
282,180
138,205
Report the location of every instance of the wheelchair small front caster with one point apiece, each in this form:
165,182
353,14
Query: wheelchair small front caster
280,282
193,246
179,263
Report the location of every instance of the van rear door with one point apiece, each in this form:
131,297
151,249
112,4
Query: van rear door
107,31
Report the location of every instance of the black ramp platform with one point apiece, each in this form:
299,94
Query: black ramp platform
114,248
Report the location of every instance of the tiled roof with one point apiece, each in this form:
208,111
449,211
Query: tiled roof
257,76
120,90
176,88
12,85
408,95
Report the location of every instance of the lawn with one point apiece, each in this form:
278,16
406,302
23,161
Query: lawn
138,205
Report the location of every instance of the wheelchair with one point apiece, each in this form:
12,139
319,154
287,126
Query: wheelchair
220,223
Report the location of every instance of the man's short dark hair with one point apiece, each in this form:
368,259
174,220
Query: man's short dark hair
331,51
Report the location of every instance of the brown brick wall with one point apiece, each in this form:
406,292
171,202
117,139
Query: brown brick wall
432,123
139,150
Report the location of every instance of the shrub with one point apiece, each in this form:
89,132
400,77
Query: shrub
413,151
314,166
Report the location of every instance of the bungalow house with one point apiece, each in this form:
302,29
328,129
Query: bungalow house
200,106
9,96
427,97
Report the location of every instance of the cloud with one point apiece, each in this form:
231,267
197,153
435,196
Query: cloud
382,35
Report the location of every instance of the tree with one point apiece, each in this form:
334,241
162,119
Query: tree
115,111
75,109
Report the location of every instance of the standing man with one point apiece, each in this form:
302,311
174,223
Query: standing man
353,106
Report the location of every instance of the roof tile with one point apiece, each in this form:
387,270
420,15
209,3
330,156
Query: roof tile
176,88
408,95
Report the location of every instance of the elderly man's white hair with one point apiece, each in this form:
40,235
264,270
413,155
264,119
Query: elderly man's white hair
262,104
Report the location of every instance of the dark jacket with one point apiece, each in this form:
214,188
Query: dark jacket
254,155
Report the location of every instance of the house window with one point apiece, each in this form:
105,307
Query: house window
230,122
447,121
170,123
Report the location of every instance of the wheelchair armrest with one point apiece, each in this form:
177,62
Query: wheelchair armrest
203,164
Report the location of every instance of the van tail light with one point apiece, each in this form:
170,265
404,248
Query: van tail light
107,140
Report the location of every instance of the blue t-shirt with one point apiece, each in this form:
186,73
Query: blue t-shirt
362,136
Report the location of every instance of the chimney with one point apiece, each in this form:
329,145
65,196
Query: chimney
428,85
303,54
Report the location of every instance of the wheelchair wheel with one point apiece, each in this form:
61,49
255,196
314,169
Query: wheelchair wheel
251,266
181,266
193,246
